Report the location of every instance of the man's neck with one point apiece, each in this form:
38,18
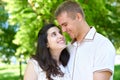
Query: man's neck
82,35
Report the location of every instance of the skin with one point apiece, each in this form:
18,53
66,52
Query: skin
77,29
28,71
101,75
56,43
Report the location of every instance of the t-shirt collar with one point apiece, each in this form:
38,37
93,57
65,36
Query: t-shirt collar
90,35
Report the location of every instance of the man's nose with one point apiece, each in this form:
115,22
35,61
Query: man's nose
63,29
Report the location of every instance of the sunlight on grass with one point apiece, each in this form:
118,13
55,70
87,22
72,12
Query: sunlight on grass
11,72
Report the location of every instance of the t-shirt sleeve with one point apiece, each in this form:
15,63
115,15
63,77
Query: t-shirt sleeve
104,57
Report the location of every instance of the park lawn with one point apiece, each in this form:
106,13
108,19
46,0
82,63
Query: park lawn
11,72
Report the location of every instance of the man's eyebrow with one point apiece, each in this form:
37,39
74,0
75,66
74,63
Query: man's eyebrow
63,23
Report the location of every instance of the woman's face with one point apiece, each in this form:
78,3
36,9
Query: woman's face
56,40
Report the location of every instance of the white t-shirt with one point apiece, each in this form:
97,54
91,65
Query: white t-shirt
94,53
42,75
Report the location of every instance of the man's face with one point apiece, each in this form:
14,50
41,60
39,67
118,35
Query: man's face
68,24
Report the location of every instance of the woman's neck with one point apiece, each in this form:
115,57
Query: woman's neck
56,55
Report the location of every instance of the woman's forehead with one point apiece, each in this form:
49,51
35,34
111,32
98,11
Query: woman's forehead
53,29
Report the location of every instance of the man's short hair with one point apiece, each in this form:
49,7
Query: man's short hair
71,8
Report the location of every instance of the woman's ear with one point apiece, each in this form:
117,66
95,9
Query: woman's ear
48,45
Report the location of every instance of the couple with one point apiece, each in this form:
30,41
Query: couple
90,56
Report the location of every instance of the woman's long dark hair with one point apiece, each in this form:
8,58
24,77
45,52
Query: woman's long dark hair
44,58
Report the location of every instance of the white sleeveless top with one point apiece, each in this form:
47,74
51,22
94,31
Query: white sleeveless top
42,75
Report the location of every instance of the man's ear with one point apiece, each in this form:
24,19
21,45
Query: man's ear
79,16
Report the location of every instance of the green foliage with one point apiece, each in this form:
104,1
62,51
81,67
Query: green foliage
104,15
31,15
117,73
7,33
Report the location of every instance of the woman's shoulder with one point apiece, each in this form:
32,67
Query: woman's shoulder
33,61
40,73
35,64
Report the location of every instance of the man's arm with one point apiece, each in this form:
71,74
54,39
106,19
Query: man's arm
102,75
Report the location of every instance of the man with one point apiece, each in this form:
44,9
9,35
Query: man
91,54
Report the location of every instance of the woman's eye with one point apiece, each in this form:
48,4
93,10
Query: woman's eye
53,34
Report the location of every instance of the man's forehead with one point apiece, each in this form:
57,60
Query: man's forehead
63,14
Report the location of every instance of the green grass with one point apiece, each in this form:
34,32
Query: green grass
11,72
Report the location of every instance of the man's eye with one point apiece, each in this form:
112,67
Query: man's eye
65,25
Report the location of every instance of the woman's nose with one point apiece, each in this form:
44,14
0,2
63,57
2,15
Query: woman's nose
60,35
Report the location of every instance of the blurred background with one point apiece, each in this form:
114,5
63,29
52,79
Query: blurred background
20,21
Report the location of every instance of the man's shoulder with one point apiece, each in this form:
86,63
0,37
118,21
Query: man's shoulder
101,38
104,41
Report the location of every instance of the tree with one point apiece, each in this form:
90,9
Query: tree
7,33
31,15
104,15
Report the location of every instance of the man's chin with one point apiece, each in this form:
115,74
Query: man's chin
73,40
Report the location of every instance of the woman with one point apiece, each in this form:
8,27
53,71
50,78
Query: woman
51,58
